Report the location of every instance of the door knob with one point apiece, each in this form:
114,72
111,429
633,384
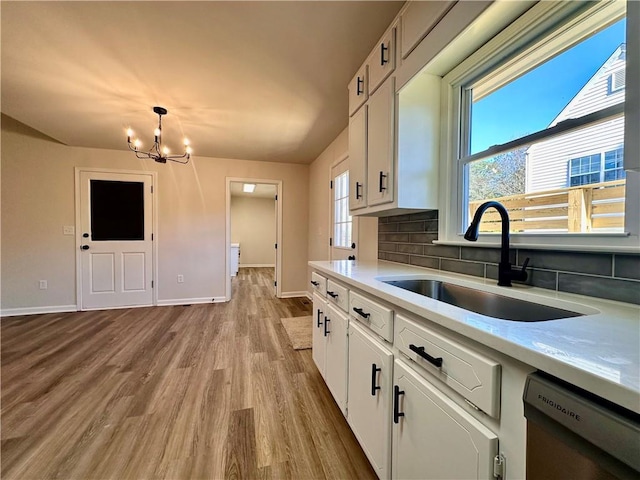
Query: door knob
85,247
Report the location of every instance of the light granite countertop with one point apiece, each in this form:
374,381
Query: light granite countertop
598,351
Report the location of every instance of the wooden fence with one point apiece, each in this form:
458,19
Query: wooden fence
598,206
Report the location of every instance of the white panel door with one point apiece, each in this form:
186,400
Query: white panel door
116,224
433,437
358,159
369,394
344,235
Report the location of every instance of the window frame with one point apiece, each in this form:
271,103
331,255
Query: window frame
528,35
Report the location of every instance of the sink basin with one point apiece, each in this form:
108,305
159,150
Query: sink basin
484,303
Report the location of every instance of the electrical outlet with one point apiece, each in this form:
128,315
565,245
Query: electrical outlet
180,278
68,230
43,284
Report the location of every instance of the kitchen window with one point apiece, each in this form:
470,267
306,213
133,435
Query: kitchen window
537,122
342,228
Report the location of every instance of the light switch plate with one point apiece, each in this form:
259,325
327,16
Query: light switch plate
68,230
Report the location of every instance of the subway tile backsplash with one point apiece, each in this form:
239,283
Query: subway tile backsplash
409,239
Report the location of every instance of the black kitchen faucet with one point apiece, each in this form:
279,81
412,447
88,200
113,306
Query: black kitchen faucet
505,272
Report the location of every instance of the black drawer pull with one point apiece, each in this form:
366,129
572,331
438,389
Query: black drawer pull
374,371
420,351
381,188
315,284
332,294
318,318
396,404
383,49
326,324
361,312
359,88
358,187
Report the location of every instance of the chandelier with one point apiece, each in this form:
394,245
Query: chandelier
157,152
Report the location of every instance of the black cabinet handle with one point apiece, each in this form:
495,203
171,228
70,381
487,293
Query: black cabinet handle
360,86
420,351
326,324
382,176
361,312
315,284
396,404
332,294
383,49
374,387
85,247
318,318
358,187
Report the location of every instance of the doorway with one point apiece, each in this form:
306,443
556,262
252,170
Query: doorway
254,229
114,239
343,244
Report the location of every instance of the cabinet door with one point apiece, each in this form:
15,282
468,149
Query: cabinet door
358,90
417,21
336,355
318,337
434,438
369,393
358,159
380,144
382,60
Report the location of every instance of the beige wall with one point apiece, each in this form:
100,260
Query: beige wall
253,226
38,200
320,207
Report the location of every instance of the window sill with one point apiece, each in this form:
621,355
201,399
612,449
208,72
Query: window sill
492,240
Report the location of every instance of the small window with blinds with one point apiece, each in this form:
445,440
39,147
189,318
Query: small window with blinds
342,220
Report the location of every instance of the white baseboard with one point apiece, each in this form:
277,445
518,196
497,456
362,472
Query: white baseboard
14,312
293,294
257,265
189,301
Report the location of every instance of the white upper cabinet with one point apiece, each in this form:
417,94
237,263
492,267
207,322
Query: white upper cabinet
358,159
358,90
382,60
417,20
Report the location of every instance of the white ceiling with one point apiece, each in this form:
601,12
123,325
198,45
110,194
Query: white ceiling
251,80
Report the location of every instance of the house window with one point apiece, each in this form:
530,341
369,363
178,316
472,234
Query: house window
342,220
525,104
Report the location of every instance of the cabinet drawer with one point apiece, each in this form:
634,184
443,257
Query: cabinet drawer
375,316
474,376
338,294
319,283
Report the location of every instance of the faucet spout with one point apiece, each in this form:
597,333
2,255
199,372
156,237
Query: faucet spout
505,272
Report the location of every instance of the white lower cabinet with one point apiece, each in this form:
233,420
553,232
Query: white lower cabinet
369,393
330,347
433,437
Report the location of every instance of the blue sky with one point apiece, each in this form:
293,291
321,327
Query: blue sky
541,93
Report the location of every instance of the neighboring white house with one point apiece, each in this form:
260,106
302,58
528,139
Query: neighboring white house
588,155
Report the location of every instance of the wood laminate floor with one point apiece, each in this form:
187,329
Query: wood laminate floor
202,391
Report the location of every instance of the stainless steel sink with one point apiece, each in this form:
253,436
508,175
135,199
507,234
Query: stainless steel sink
484,303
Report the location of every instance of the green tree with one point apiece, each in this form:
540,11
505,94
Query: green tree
499,176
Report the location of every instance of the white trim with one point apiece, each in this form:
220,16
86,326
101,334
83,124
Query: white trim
279,202
14,312
256,265
294,294
189,301
154,228
309,296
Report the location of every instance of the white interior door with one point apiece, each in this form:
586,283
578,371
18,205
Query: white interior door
344,227
115,230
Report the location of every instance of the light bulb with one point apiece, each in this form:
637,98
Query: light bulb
165,150
188,150
137,144
129,133
156,132
186,141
